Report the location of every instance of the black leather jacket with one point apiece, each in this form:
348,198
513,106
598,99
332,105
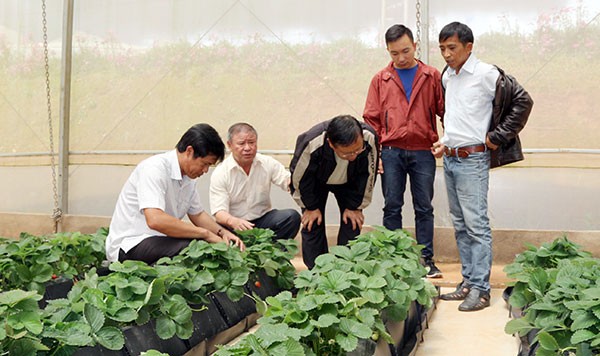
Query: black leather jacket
512,106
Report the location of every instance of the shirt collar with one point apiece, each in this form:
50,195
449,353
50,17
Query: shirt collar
174,165
468,66
230,163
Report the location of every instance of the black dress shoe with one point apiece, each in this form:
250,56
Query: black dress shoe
475,300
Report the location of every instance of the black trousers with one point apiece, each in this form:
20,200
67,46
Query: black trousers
284,223
314,242
154,248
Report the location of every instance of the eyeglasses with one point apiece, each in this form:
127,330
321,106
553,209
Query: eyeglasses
352,154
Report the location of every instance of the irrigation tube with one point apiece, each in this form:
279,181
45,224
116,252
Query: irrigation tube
268,152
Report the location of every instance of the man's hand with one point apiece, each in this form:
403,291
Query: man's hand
438,149
239,224
489,143
232,240
310,216
356,217
380,167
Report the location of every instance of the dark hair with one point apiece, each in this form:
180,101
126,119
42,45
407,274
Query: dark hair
205,141
240,127
462,31
343,130
395,32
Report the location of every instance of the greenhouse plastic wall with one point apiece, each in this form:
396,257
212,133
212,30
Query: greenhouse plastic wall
146,70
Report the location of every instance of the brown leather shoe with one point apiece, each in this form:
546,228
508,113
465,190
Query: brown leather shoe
462,289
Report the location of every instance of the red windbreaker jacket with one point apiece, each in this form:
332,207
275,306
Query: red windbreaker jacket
398,122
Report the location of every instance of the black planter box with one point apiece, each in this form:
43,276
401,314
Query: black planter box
141,338
366,347
412,325
233,312
268,285
55,290
99,351
207,323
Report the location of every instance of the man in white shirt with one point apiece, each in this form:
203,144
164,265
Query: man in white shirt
146,224
240,187
485,111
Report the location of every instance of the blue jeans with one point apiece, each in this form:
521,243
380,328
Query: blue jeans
420,168
467,181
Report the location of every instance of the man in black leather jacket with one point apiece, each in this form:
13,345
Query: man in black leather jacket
485,111
512,106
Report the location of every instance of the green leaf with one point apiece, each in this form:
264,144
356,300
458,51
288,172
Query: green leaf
235,293
584,321
256,345
179,310
347,342
373,295
326,320
199,279
124,315
375,283
165,327
296,317
592,293
335,281
238,276
43,273
547,341
580,336
308,302
185,330
155,291
520,326
14,296
93,316
222,281
274,333
288,348
353,327
110,337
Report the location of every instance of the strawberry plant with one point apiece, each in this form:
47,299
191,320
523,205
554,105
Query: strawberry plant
272,256
535,263
214,267
345,298
32,261
21,323
565,309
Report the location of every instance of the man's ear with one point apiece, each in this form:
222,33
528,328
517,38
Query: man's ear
329,142
189,150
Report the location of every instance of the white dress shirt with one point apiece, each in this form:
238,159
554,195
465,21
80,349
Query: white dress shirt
469,102
155,183
246,196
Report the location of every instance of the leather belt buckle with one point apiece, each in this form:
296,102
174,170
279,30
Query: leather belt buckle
463,152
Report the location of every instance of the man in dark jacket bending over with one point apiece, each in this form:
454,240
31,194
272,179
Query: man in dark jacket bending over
339,156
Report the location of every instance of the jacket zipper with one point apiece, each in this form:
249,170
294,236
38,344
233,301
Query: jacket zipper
432,120
386,121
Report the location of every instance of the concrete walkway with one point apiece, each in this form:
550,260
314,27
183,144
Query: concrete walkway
455,333
452,332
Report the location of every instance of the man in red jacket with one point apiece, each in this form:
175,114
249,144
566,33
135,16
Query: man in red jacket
403,101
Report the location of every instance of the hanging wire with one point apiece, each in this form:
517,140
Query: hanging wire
418,25
57,212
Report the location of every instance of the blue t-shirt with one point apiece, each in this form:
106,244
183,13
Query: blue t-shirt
407,76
